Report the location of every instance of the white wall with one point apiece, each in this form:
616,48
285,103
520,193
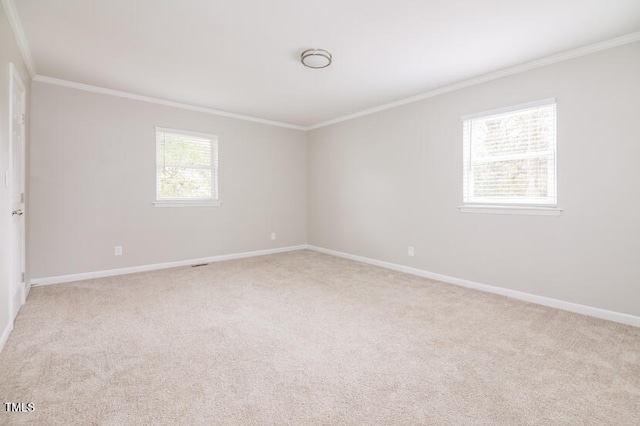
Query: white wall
93,182
370,186
9,53
390,180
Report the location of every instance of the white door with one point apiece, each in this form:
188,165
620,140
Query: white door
17,187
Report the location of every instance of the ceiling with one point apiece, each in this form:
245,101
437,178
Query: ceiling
242,56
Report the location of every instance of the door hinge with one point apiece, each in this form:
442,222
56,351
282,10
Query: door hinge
22,277
21,118
22,198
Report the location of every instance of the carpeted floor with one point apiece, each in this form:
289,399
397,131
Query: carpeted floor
305,338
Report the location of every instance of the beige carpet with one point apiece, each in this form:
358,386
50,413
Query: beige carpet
303,338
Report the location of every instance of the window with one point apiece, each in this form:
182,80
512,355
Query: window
186,168
510,160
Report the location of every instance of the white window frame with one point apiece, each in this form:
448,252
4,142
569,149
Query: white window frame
212,201
510,205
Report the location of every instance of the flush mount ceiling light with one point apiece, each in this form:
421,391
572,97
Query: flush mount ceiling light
315,58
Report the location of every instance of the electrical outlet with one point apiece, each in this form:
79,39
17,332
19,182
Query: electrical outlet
117,251
273,235
411,251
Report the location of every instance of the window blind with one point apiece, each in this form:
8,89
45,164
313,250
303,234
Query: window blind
187,165
510,156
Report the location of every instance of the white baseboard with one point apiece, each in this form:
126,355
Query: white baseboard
527,297
131,270
5,335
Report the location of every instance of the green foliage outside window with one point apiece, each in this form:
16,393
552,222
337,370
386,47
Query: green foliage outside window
511,155
184,166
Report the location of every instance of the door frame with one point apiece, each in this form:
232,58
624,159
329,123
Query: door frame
17,251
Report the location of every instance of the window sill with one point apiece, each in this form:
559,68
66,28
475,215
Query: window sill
186,203
524,210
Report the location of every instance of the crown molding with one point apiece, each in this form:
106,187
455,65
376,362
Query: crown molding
152,100
18,32
527,66
23,45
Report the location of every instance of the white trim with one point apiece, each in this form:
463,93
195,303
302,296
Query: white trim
5,335
152,100
17,293
497,209
203,135
527,66
212,200
186,203
513,204
26,290
514,294
511,108
143,268
21,39
538,63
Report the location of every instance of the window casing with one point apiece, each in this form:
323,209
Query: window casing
186,168
509,159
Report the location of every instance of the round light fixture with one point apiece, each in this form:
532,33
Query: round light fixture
315,58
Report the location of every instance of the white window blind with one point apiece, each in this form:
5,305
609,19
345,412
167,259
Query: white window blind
510,156
186,167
